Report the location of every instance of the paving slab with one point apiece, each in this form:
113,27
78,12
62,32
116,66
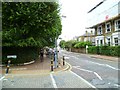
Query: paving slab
67,79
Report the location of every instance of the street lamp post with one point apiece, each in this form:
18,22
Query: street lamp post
56,59
56,51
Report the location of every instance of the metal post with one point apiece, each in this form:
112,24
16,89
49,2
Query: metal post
56,53
51,64
8,66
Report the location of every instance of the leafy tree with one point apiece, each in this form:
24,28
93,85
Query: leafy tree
30,23
82,44
62,44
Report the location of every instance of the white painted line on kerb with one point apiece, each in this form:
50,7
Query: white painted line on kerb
2,77
53,81
83,79
98,75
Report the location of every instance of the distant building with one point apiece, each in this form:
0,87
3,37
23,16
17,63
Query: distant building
105,19
75,38
88,36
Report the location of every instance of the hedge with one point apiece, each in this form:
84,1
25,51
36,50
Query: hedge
105,50
24,54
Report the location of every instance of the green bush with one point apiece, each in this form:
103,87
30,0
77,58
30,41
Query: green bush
105,50
24,54
93,49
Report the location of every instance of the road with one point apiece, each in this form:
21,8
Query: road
98,72
85,72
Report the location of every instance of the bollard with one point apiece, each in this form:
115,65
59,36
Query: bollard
51,64
63,60
7,70
8,66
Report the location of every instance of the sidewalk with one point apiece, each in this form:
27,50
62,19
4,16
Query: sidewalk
104,57
37,67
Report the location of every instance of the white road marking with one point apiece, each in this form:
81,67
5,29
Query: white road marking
112,67
90,72
84,70
117,85
105,65
98,75
2,77
75,66
97,63
83,80
53,81
100,64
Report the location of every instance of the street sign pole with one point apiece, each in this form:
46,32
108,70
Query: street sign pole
55,52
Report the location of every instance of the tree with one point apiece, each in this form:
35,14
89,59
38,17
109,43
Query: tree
30,23
82,44
62,44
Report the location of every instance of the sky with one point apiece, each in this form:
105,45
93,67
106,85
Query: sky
76,17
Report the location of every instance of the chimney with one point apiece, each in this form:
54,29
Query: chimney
86,35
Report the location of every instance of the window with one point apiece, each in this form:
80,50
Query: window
108,27
116,41
101,42
99,30
117,25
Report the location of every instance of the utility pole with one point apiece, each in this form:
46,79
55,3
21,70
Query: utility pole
56,51
56,59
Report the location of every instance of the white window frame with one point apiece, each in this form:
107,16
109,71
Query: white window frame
98,31
114,41
107,27
116,26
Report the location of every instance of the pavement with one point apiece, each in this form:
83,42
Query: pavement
37,67
111,58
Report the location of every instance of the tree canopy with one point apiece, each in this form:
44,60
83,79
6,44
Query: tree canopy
30,23
74,44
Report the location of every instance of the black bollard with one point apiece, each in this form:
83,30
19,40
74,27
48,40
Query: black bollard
63,60
51,64
7,70
8,66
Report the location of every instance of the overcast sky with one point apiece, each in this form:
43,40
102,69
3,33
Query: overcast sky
76,15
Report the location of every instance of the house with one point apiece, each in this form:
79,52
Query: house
88,36
105,19
75,38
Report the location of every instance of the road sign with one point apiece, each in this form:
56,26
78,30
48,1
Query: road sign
11,56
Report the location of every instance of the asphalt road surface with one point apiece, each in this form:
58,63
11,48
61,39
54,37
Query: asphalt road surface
99,72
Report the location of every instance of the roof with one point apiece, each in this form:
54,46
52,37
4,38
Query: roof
96,6
87,35
104,21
